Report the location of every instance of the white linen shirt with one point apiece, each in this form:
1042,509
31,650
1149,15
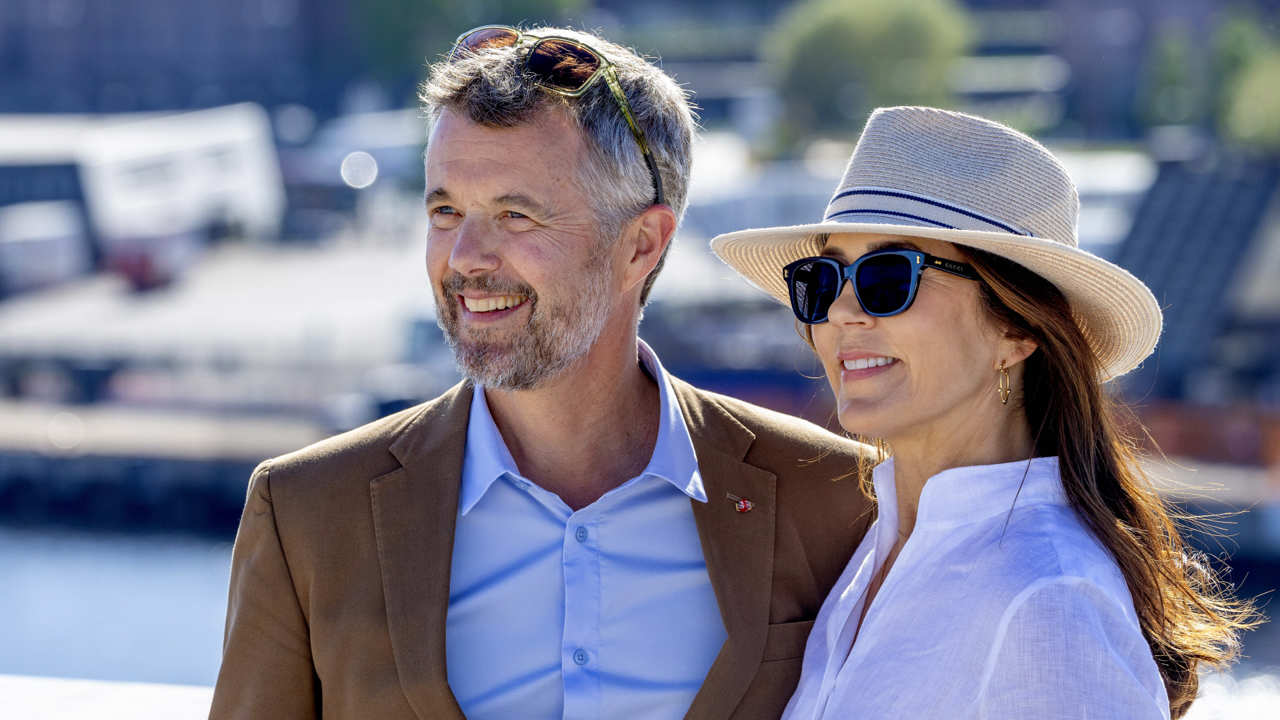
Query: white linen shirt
603,612
1001,604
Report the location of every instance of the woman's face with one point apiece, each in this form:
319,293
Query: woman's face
932,370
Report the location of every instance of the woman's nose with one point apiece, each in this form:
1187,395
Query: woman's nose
846,309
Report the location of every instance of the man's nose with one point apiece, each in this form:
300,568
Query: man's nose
474,249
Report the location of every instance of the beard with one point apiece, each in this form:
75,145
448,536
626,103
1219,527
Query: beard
557,333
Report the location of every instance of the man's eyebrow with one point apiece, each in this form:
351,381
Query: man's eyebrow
436,194
523,201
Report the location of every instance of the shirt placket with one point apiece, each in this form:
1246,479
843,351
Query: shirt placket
580,647
837,693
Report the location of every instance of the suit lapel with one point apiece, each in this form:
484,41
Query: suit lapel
738,547
414,513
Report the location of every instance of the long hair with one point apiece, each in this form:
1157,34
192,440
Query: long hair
1188,615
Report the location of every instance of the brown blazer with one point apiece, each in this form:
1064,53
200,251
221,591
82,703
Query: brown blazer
340,573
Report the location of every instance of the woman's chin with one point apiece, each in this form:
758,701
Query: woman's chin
867,415
861,425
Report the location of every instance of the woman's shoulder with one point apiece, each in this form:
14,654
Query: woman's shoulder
1079,632
1067,612
1047,548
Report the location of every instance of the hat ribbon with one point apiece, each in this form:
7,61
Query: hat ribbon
868,203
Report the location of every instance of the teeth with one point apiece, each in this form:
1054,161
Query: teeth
502,302
864,363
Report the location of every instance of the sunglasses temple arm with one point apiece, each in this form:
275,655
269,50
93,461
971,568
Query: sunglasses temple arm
657,181
611,80
963,270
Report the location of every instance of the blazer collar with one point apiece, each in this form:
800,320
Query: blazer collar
737,546
415,509
414,512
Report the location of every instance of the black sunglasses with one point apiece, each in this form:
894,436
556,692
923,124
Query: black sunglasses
565,67
884,281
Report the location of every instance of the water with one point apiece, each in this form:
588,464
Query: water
151,609
148,608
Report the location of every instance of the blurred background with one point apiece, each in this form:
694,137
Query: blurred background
211,241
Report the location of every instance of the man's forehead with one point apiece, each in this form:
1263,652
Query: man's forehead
528,160
550,125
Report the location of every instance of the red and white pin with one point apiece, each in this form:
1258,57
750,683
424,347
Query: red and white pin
740,504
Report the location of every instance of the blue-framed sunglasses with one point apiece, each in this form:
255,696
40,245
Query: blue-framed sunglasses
884,281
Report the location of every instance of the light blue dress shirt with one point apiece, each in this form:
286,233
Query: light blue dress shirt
606,612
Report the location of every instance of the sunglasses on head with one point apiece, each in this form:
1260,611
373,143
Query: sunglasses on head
564,67
884,281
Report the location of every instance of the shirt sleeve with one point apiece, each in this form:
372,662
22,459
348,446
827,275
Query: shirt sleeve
1065,649
267,670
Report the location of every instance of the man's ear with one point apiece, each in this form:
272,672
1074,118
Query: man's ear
643,241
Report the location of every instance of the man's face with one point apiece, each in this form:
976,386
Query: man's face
522,280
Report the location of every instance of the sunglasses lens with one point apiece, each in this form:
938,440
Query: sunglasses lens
562,65
884,284
485,38
815,284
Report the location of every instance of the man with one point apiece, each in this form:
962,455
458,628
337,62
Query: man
570,532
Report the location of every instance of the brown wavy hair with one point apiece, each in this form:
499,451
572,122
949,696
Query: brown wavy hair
1187,613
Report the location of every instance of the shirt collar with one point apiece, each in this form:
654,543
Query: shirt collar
971,493
673,459
487,458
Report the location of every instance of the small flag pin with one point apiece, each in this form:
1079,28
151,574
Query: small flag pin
740,504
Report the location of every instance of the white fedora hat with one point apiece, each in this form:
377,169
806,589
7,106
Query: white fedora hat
925,172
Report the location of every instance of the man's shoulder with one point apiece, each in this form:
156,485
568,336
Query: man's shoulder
364,452
773,429
818,490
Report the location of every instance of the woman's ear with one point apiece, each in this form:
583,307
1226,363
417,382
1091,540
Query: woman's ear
1016,347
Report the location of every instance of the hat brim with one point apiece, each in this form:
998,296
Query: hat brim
1116,312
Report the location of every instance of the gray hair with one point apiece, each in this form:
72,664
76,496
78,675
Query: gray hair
492,88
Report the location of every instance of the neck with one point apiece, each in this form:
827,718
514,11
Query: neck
920,456
587,430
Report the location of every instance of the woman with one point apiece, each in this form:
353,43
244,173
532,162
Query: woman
1021,565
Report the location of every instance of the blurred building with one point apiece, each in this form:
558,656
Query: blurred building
1068,68
1072,66
139,193
1206,240
86,56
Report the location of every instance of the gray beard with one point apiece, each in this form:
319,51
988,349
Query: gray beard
554,337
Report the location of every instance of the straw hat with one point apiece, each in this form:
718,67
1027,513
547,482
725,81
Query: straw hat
932,173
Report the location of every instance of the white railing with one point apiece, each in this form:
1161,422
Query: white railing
41,698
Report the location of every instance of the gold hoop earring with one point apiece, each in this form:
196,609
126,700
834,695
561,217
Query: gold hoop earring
1002,386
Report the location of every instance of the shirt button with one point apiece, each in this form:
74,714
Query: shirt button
581,535
580,656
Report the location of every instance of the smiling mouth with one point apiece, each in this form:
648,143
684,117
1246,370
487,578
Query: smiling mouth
869,362
492,304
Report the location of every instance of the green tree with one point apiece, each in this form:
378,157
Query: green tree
400,37
1238,40
1246,68
1173,89
1252,116
835,60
